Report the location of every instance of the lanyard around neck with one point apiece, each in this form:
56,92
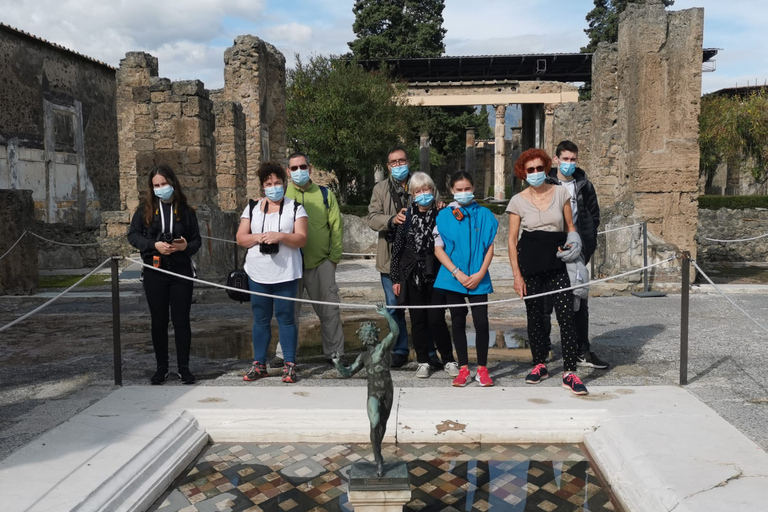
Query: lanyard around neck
279,215
162,220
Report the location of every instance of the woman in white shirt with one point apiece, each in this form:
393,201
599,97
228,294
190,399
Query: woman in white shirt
274,230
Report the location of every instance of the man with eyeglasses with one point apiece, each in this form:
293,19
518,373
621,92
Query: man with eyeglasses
321,254
586,218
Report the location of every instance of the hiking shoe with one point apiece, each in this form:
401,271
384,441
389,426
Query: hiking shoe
422,371
483,378
159,377
573,382
256,372
538,374
435,364
185,376
463,378
590,360
452,368
399,360
289,373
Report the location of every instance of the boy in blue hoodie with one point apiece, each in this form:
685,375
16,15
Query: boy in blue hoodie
464,238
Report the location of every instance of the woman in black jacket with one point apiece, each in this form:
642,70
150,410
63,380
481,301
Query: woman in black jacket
164,228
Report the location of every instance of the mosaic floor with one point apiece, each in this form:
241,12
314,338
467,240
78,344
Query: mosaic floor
456,477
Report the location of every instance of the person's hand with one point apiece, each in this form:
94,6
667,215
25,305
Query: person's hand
399,218
271,237
396,289
180,246
473,281
519,286
440,205
164,248
567,246
462,278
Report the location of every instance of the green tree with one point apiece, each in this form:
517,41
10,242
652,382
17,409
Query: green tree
345,118
398,28
603,21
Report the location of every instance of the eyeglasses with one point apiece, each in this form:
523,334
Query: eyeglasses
538,168
402,161
303,167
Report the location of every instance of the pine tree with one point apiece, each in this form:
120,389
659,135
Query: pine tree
603,21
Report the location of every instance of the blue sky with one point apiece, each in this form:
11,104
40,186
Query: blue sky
189,36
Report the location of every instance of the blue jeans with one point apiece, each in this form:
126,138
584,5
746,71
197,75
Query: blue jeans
262,316
401,344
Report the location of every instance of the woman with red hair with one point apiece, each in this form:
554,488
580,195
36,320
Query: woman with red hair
548,240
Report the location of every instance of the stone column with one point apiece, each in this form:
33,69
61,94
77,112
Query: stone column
499,153
469,158
424,152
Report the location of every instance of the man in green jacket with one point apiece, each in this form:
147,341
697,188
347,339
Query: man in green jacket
322,252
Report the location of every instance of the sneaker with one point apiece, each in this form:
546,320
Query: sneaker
463,378
452,368
573,382
422,371
342,361
399,360
590,360
159,377
435,364
256,372
483,378
185,376
289,373
538,374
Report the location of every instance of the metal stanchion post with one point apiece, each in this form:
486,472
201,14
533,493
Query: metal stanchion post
117,356
646,284
686,262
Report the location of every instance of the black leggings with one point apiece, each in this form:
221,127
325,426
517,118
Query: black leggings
459,325
537,333
164,291
428,326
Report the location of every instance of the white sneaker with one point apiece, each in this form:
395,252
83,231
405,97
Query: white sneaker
422,371
452,369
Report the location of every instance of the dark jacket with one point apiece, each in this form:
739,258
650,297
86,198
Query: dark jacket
588,219
144,237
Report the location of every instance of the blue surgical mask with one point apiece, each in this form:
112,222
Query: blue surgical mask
164,193
274,193
567,168
300,177
424,199
400,172
464,198
535,179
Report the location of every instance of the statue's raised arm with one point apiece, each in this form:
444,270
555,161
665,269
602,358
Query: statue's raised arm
387,343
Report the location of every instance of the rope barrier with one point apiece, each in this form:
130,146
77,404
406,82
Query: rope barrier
732,241
24,317
619,229
726,297
62,243
14,245
219,239
374,306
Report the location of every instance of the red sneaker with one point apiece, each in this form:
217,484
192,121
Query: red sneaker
483,378
289,373
573,382
538,374
256,372
463,377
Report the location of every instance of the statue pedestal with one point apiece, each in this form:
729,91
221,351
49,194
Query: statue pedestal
371,493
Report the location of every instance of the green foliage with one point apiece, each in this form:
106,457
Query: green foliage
603,21
732,202
398,28
733,129
359,210
345,118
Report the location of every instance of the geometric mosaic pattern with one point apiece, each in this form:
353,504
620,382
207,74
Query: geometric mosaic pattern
254,477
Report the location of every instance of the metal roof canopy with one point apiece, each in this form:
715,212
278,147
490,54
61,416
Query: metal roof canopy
558,67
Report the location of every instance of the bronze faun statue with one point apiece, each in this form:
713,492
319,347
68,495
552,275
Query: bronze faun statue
376,359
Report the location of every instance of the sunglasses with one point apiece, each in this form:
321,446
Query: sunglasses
538,168
303,167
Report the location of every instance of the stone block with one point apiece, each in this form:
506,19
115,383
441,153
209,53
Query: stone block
140,60
159,84
160,96
195,155
141,94
187,131
144,145
226,181
143,124
189,88
113,217
165,143
168,110
195,106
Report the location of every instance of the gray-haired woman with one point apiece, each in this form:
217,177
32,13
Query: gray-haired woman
413,270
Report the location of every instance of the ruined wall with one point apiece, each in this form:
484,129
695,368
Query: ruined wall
254,77
638,136
230,143
726,224
57,107
18,269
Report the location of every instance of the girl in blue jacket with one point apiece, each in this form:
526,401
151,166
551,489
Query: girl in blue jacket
464,245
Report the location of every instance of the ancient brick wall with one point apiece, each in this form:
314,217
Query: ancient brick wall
59,107
230,148
726,224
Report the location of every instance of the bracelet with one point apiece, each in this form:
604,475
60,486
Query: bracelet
455,269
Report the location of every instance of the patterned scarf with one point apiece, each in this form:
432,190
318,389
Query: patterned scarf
420,239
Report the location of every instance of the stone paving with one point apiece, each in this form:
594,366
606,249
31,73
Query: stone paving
59,362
